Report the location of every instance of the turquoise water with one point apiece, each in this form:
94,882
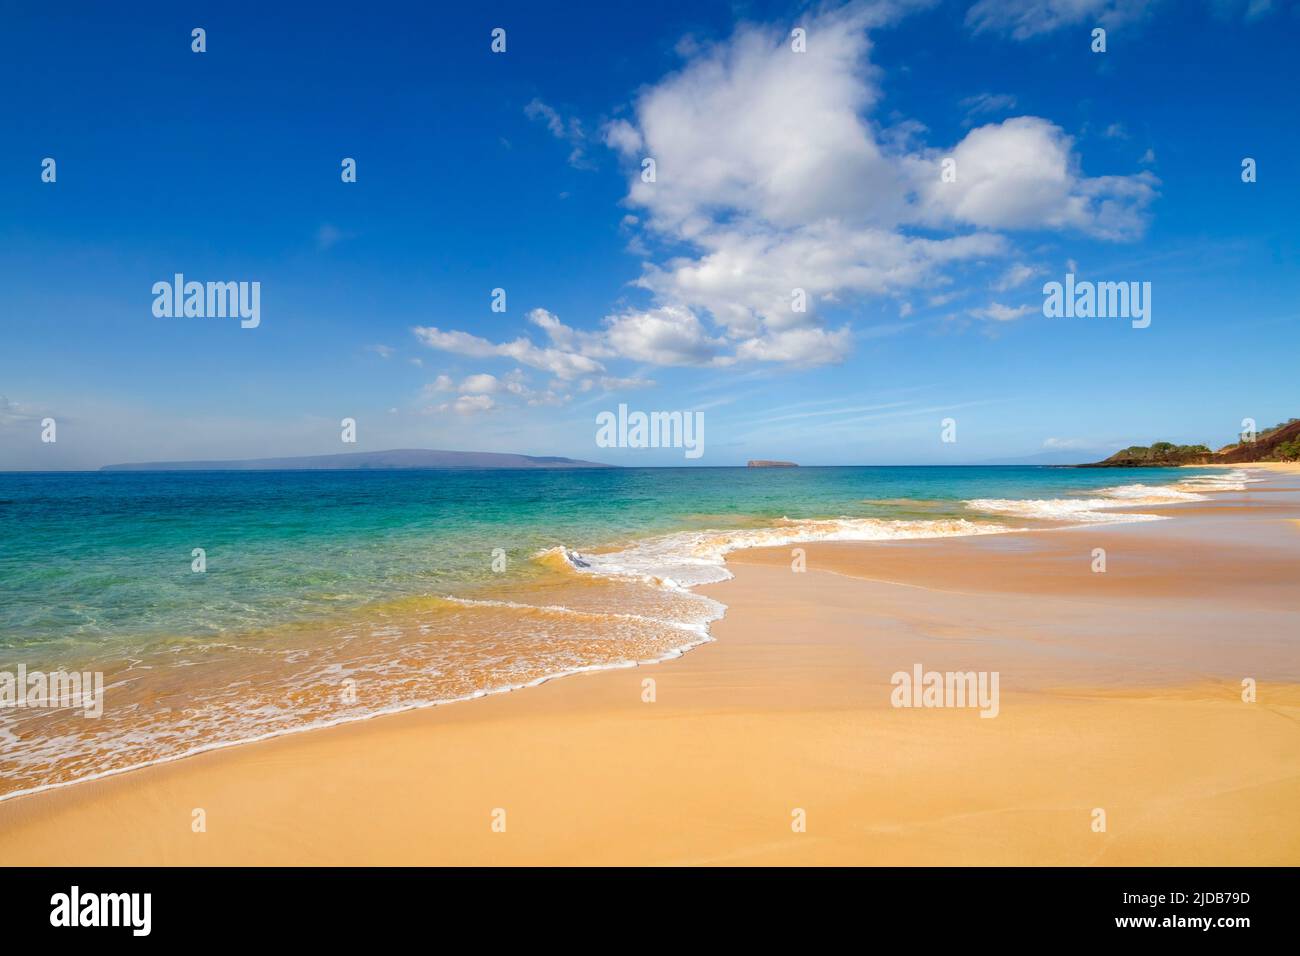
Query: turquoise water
97,556
334,596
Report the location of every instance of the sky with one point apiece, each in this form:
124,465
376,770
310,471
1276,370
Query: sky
775,170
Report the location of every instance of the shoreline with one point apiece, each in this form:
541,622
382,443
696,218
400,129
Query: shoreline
1120,509
796,660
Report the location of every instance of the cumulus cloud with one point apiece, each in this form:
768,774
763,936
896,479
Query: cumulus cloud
1023,173
486,392
622,136
482,392
771,174
560,335
804,347
669,335
481,384
469,404
749,128
780,201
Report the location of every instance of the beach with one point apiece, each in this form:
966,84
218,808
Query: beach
1121,691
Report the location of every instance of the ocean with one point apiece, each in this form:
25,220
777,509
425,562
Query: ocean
223,607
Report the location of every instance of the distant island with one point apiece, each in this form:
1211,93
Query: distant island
368,460
765,463
1279,443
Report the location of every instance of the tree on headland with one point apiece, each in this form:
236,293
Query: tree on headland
1279,443
1162,451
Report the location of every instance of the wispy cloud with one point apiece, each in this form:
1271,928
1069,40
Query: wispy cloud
328,236
568,130
985,104
1024,19
997,312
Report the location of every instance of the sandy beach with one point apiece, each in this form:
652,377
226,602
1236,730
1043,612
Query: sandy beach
1121,694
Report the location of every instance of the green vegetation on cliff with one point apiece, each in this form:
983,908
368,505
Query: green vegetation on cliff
1279,443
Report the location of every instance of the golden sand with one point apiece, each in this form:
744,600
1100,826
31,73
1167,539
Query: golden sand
1282,467
1121,692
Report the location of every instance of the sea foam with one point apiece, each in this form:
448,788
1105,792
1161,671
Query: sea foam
687,559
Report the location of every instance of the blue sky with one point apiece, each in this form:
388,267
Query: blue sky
776,170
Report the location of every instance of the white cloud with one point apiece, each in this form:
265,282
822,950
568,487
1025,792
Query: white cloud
383,351
1022,173
614,384
559,362
745,277
800,347
1258,8
559,333
998,312
773,176
984,103
1023,19
1248,10
443,383
469,405
569,131
539,110
750,128
622,136
12,413
1016,276
482,384
484,392
475,394
669,335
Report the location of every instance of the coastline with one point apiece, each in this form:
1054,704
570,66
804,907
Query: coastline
789,708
